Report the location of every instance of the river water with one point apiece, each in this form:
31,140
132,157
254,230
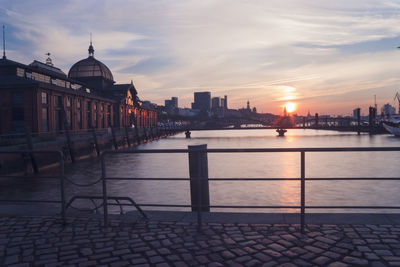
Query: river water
246,165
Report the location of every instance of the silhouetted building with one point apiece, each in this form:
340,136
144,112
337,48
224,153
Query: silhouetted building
372,116
44,99
215,103
172,103
356,113
225,102
388,110
202,101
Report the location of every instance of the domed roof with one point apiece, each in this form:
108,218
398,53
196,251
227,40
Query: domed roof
90,67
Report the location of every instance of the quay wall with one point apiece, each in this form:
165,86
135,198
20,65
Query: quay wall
81,146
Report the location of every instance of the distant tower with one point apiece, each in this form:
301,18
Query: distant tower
4,43
248,105
91,49
284,111
48,60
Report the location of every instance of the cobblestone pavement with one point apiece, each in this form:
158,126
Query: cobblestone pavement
42,241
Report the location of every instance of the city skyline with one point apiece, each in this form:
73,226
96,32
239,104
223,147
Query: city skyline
326,57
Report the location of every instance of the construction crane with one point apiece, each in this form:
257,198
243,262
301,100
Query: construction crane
398,99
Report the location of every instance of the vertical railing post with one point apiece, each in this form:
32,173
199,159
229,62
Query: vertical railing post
69,143
198,171
96,143
30,147
114,138
105,199
62,186
303,176
127,137
199,198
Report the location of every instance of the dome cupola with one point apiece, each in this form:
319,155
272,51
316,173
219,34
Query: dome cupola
92,71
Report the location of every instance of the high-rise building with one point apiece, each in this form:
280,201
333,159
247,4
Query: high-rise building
215,103
174,101
356,113
225,102
171,104
202,101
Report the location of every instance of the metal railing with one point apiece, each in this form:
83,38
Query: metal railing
60,176
302,179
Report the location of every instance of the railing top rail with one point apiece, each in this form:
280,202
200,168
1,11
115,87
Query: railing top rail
57,152
255,150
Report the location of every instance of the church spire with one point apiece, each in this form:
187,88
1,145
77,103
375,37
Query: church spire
91,49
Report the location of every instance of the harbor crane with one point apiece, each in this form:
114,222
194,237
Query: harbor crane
398,99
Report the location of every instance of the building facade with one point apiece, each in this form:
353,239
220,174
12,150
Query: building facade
202,101
44,99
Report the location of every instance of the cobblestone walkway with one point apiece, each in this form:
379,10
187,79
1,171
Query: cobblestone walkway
42,241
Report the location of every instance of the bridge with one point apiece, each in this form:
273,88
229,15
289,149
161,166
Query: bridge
325,123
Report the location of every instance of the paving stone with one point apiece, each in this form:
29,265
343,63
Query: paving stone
325,240
338,264
253,262
137,261
120,252
332,255
300,262
86,251
268,264
298,250
272,253
313,249
287,264
353,260
391,258
321,245
377,264
262,257
85,243
164,264
156,259
321,260
11,259
276,247
202,259
227,254
215,264
371,256
383,252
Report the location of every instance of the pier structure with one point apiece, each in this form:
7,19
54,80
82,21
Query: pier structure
74,145
201,237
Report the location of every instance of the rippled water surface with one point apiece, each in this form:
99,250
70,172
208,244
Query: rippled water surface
247,165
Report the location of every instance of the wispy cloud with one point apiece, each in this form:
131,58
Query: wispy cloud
246,49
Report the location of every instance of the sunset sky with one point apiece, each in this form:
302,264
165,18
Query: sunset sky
326,56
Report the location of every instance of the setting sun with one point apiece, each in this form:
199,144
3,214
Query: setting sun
290,107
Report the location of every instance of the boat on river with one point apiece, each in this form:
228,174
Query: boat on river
392,126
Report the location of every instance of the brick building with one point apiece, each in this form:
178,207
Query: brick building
44,99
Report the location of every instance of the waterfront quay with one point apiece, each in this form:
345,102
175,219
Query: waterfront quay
31,235
226,239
